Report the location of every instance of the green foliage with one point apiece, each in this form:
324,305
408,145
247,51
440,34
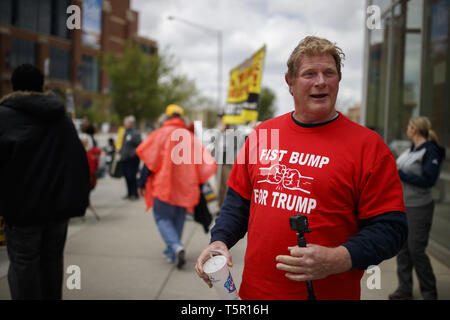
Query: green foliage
99,112
143,85
267,106
177,90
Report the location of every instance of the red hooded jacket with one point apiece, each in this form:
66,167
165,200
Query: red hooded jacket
179,164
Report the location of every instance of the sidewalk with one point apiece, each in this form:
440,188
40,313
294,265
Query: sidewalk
120,256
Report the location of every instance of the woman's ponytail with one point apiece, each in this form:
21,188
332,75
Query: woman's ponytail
433,136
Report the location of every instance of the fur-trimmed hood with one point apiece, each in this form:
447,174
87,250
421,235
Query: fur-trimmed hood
45,106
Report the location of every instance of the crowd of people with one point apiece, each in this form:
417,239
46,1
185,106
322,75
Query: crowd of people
363,205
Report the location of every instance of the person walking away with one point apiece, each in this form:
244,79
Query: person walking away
170,180
128,158
44,181
418,168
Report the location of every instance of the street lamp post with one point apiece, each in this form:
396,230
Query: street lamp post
219,52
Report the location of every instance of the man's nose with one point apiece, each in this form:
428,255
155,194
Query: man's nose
320,80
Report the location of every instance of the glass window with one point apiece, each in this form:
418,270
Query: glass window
396,114
378,51
405,80
436,79
59,19
6,11
414,14
59,64
22,51
89,73
27,14
44,16
383,4
411,74
435,104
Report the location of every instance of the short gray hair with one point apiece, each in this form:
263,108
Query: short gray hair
130,118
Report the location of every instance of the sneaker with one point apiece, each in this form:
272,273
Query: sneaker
180,254
398,295
168,259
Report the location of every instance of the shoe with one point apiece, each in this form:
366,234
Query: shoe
125,197
398,295
133,198
180,255
168,259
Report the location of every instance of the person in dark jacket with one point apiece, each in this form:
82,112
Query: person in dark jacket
44,181
418,168
128,158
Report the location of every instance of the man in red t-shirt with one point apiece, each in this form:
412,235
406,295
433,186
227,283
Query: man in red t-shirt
314,162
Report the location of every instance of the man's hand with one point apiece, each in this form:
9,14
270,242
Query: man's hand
141,192
314,262
214,249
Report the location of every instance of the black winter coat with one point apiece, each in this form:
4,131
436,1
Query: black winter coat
44,173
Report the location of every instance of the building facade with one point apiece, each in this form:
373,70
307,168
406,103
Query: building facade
64,38
407,74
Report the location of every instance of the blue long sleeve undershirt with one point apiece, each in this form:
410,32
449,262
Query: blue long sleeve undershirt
379,238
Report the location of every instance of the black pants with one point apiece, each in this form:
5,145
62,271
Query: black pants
130,169
36,260
413,255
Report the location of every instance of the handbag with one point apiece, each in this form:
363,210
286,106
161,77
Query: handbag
115,170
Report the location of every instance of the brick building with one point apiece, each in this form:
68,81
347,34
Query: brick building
36,32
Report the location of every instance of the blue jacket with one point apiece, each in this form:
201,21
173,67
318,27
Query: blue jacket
419,170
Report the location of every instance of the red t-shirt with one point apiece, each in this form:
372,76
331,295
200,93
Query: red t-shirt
335,174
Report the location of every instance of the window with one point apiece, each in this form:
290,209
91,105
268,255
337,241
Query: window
59,64
376,94
6,11
59,18
22,51
436,77
398,111
26,14
43,16
383,4
89,73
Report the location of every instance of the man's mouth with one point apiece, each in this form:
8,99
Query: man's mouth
319,96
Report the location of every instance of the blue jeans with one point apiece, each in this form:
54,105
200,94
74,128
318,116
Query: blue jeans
36,260
170,221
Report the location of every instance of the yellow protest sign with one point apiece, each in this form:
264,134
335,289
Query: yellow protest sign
120,136
244,89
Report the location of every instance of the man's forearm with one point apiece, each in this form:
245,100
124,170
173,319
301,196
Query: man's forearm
232,223
379,238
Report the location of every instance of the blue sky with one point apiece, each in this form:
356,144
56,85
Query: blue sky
246,26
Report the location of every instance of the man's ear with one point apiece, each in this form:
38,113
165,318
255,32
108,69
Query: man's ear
286,78
289,83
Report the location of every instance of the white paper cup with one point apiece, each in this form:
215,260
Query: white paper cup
218,272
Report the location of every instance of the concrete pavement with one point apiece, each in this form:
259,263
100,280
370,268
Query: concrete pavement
120,256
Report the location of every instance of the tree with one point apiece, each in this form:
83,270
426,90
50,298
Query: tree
267,107
144,85
178,89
